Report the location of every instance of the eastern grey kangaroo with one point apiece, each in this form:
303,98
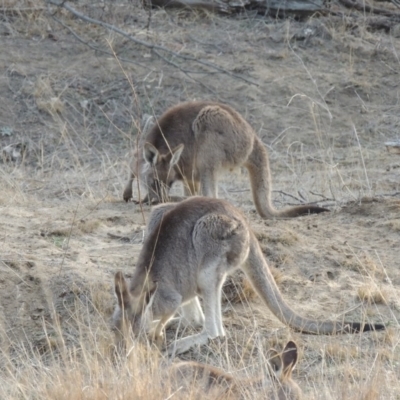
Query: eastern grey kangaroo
195,142
278,385
188,250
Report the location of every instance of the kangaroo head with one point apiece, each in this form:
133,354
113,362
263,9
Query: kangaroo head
159,173
281,366
132,311
137,160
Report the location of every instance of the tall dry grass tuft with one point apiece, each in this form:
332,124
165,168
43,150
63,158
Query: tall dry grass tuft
89,368
92,370
82,373
372,294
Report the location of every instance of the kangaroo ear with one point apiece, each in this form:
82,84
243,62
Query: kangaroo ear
274,361
149,122
176,155
122,291
150,153
289,357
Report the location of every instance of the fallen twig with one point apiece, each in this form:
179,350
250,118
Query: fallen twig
289,195
119,237
322,196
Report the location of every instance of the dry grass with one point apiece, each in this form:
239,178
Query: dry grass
393,224
78,114
89,226
84,373
363,264
372,294
340,354
92,370
286,237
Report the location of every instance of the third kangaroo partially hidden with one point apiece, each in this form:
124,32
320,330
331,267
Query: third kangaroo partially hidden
277,384
195,142
189,249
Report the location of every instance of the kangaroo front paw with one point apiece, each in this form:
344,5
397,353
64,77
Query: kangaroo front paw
177,348
183,345
146,202
127,195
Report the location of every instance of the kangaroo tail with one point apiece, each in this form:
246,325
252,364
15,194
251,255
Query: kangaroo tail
260,276
260,179
297,211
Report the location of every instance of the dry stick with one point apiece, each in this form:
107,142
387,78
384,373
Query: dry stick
119,237
149,17
68,239
152,47
289,195
321,195
362,159
174,393
16,10
138,125
390,194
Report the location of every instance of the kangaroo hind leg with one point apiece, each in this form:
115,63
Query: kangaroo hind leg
221,244
192,313
210,282
212,323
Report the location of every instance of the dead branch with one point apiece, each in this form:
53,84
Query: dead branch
211,5
154,48
282,7
264,7
353,4
385,23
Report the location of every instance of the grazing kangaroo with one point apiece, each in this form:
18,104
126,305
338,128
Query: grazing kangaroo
188,250
278,385
195,142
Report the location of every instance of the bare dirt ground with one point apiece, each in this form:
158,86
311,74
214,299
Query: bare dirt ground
326,101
